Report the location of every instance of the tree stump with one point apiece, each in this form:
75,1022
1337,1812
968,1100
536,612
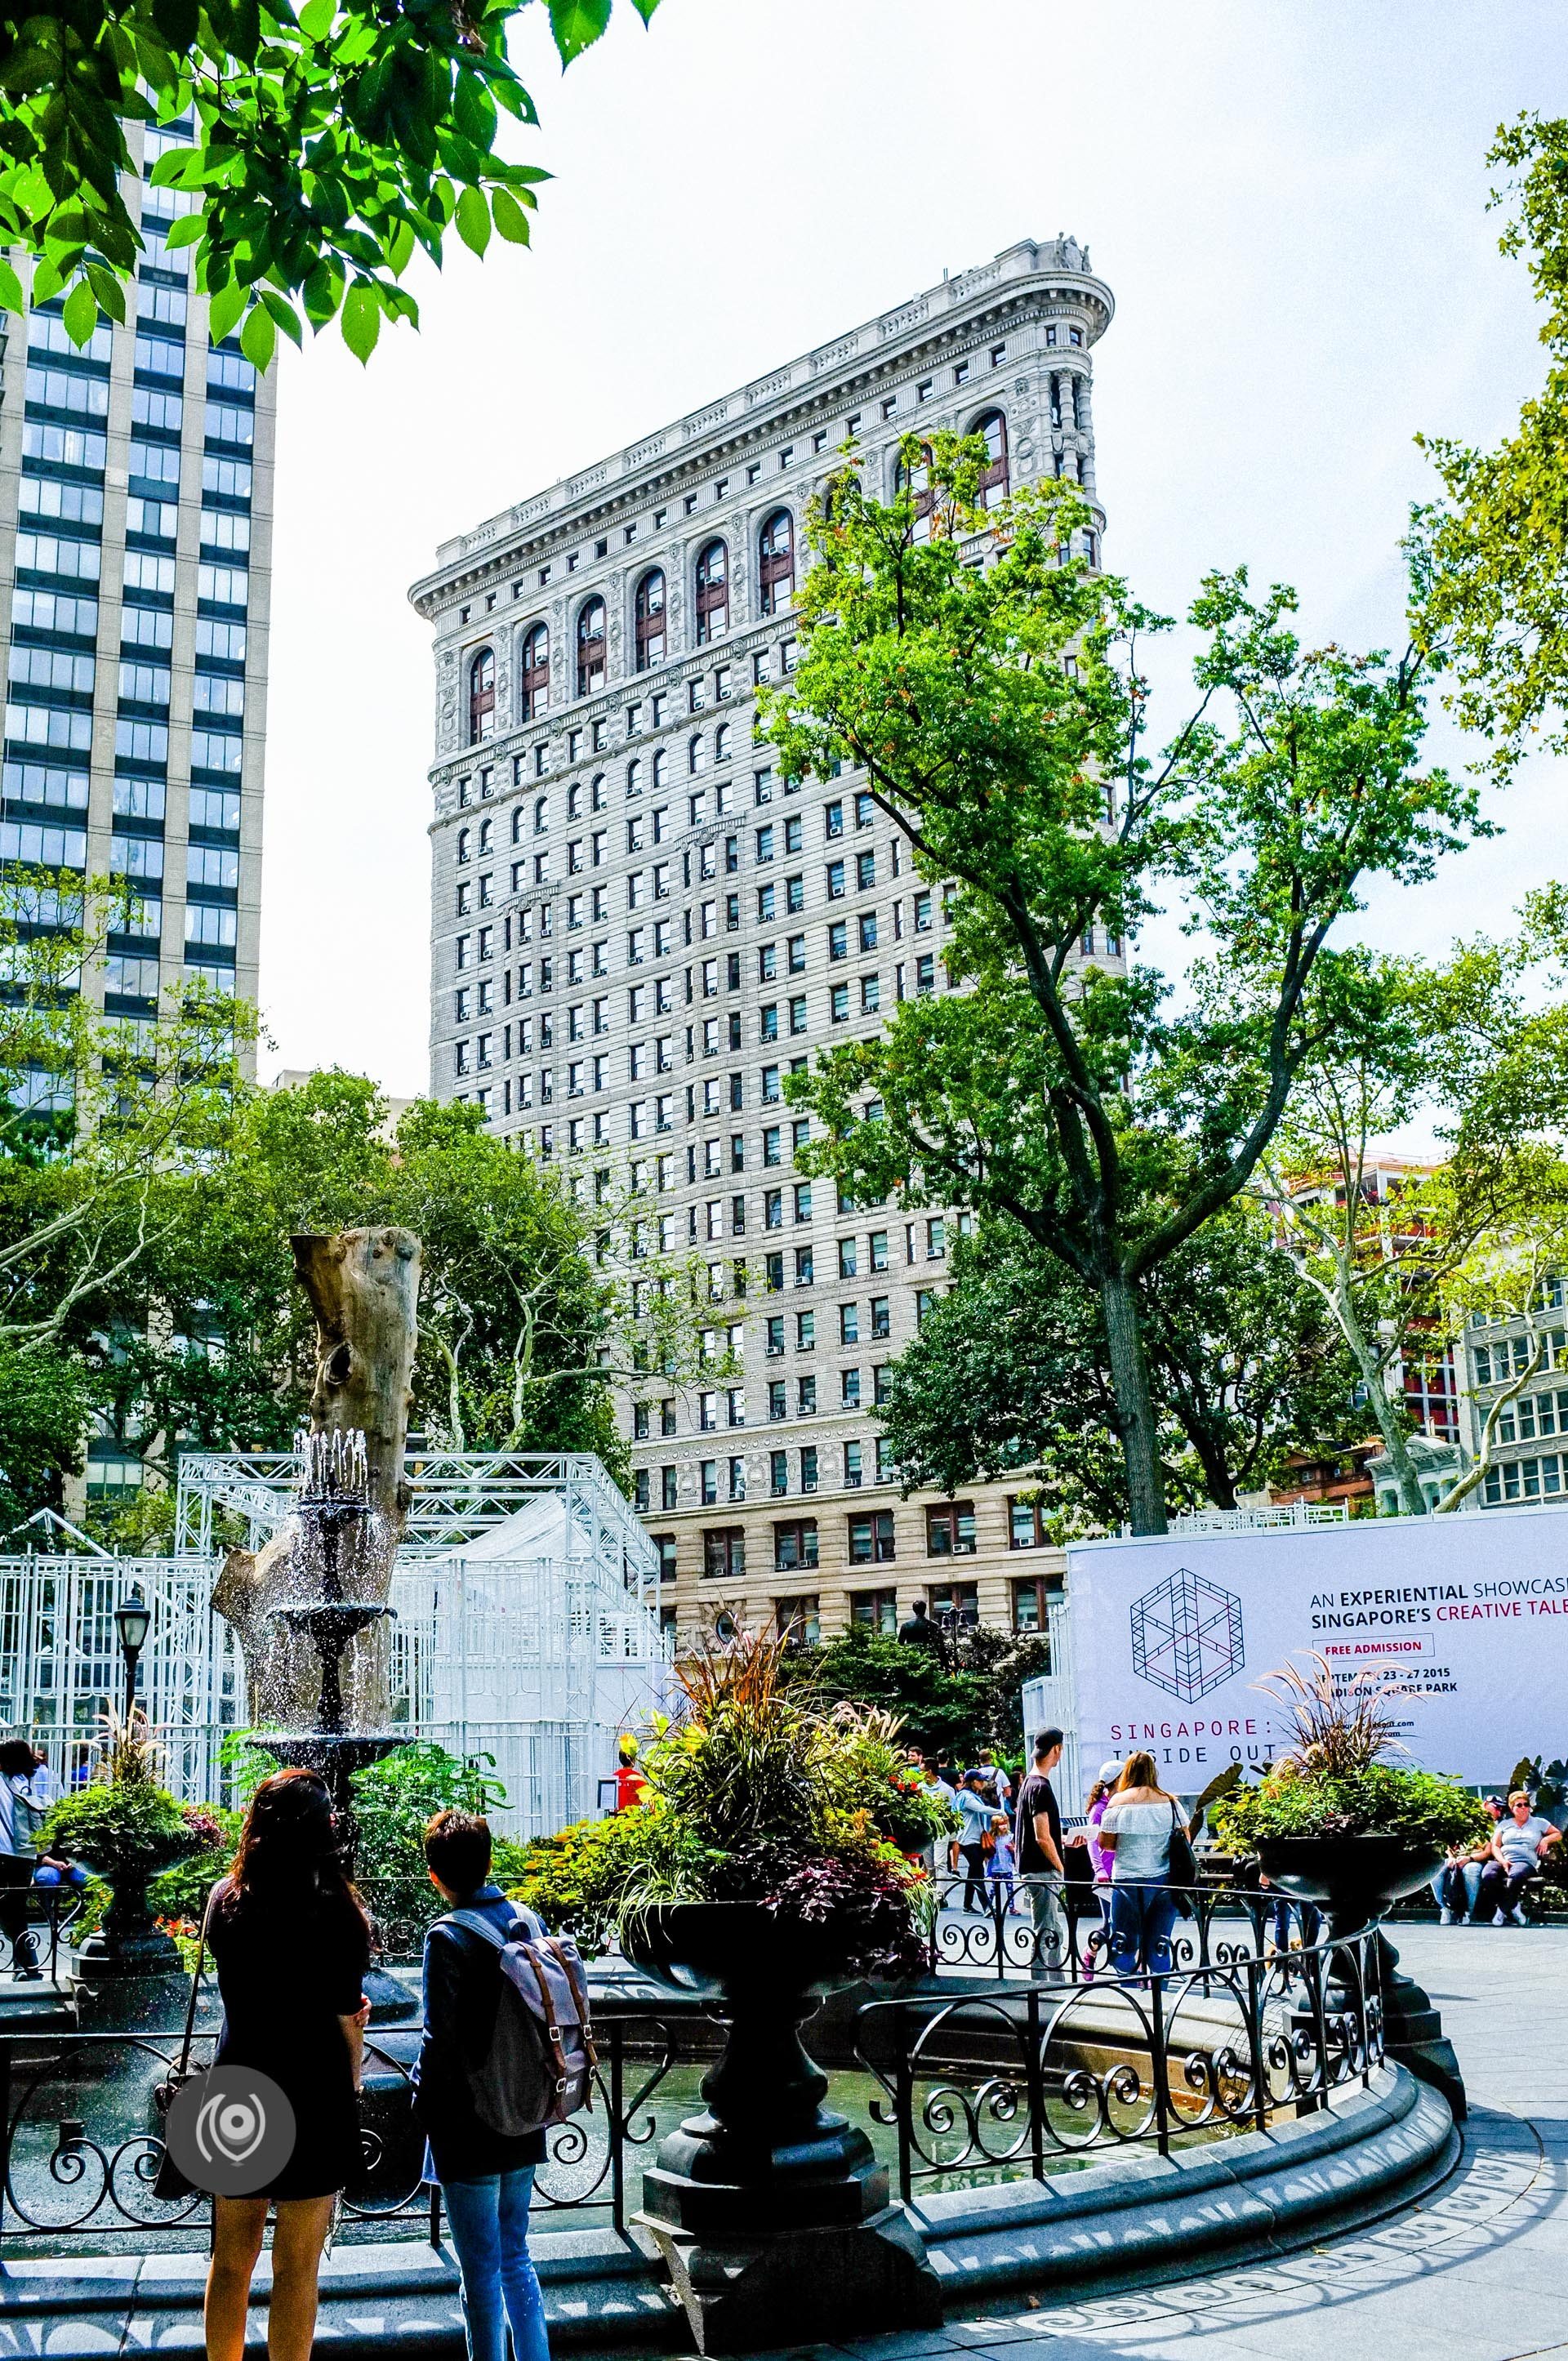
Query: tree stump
363,1286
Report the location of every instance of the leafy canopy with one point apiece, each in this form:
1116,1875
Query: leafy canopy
987,682
1491,558
330,146
1008,1375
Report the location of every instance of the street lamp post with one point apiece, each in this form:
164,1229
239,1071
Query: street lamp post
133,1615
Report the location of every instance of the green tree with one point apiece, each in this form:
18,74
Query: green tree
1491,558
329,147
46,1397
211,1346
1479,1044
1009,1374
954,1712
92,1109
987,684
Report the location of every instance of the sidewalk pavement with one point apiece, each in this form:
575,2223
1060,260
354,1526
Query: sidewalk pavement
1479,2268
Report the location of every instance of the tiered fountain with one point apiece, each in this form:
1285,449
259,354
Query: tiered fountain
332,1519
311,1610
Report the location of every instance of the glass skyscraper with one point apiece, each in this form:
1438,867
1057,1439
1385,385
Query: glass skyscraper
135,505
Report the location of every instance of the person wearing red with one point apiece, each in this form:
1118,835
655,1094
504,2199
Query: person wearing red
629,1783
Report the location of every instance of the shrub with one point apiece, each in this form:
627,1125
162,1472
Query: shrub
181,1893
392,1801
127,1829
576,1880
1381,1799
756,1795
958,1714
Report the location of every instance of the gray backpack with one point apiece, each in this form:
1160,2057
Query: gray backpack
540,2065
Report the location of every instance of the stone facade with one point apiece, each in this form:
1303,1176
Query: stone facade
1530,1445
638,928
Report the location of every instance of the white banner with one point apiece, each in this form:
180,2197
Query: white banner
1469,1613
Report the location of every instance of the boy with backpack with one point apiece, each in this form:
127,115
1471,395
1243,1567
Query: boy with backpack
508,2050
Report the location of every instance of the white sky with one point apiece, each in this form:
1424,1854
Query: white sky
1287,199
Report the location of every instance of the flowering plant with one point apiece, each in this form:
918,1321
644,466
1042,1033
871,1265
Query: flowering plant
753,1795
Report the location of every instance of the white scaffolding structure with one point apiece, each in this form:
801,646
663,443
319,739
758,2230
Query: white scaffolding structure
527,1626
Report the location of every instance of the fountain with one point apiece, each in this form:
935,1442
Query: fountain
311,1608
334,1508
336,1552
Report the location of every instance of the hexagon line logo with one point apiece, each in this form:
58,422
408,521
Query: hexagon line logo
1186,1636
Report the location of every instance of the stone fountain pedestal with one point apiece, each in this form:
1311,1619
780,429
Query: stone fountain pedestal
771,2215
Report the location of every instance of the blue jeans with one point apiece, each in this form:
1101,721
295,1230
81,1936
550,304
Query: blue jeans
1310,1916
489,2231
1458,1887
1143,1912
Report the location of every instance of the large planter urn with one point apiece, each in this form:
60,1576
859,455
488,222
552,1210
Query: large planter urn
1356,1879
129,1942
772,2213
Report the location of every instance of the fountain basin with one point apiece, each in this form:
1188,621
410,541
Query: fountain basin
331,1624
336,1755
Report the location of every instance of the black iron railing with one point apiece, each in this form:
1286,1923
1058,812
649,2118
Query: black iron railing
34,1950
980,2071
83,2147
1021,2080
996,1927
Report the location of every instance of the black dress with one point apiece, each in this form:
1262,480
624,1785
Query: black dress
287,1972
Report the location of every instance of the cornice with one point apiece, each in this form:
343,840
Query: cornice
791,399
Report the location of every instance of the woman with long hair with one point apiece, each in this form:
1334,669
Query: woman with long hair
1097,1862
1135,1830
291,1942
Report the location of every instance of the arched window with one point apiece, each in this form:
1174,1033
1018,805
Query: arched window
482,696
915,484
696,756
993,479
484,837
517,823
634,775
540,814
712,592
775,568
462,844
533,685
722,742
661,770
651,618
590,647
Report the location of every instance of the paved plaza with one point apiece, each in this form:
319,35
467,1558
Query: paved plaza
1478,2268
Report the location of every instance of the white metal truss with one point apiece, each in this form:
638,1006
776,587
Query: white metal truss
457,1495
536,1661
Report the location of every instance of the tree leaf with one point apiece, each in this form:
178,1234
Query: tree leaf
576,24
11,296
109,291
323,293
511,219
361,319
284,313
178,20
473,219
186,231
645,8
79,312
315,20
259,338
225,309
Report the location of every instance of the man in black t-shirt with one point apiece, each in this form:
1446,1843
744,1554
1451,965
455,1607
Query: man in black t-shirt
1038,1840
